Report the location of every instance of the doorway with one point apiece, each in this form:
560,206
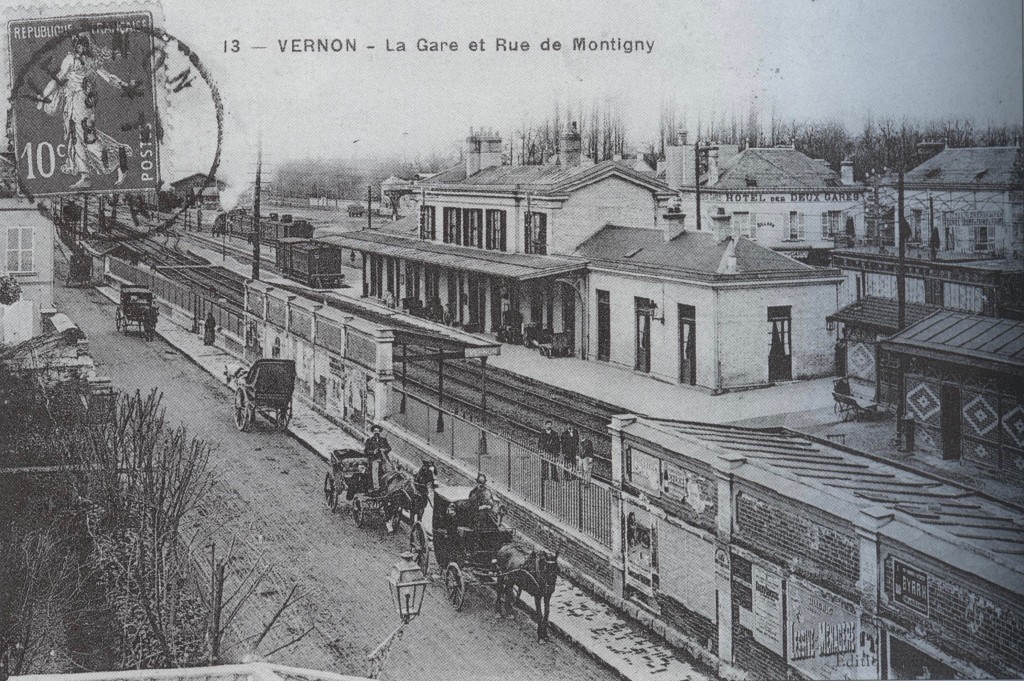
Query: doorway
644,312
951,417
688,344
604,326
780,352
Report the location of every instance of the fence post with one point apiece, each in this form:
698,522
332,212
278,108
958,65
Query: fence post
508,452
579,500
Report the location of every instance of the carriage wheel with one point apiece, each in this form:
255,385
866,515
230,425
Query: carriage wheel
418,545
358,512
119,319
455,586
330,493
284,416
243,414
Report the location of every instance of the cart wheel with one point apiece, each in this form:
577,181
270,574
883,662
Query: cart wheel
455,586
358,512
118,319
284,416
330,493
243,414
419,548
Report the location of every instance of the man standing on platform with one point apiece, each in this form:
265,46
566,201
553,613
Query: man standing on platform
570,446
549,446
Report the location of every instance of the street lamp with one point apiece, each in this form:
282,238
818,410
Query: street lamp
408,585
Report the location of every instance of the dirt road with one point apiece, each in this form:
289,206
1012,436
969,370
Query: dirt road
267,495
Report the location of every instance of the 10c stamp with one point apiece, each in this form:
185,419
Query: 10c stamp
84,103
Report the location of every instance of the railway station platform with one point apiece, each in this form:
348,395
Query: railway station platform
801,401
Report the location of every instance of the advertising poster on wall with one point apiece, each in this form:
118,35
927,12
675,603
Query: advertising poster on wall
767,609
826,639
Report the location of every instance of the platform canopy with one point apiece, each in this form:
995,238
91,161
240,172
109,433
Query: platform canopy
879,314
516,266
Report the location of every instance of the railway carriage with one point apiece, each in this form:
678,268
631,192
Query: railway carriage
313,263
274,230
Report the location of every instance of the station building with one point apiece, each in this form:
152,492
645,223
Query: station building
776,196
588,254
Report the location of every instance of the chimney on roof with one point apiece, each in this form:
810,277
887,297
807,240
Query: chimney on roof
571,148
846,171
727,151
727,265
928,149
679,166
712,166
483,151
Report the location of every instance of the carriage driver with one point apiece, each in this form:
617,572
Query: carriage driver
376,450
480,499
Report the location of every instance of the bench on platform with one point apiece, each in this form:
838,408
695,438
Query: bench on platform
848,406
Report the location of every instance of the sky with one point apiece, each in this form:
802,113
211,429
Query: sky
807,59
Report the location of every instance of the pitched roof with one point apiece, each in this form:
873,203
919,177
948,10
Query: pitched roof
774,168
857,479
519,266
880,314
540,179
986,342
698,254
976,166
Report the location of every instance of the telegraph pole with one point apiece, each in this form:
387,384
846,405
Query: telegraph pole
696,178
901,313
256,212
369,206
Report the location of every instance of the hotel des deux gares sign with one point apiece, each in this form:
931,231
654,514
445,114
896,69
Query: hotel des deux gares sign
742,196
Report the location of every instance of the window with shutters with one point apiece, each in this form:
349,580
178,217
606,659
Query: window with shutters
831,222
537,233
452,228
19,249
796,226
472,227
496,237
428,222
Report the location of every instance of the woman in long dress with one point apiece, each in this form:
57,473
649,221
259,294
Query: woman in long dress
72,96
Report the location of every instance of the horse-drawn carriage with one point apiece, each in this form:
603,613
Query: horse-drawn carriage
473,548
136,310
265,388
466,541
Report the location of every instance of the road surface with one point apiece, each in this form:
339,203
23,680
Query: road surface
267,494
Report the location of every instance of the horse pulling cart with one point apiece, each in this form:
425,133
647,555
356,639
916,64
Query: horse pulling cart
267,389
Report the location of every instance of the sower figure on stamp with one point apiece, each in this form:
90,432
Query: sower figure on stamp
376,450
72,96
549,445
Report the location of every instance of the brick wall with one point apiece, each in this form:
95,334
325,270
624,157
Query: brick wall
748,654
984,626
689,623
818,552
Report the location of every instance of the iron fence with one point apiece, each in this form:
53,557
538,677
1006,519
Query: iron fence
569,495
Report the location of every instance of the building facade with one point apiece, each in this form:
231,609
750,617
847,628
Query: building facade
26,241
788,557
776,196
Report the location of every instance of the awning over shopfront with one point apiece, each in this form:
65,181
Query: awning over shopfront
517,266
987,343
879,314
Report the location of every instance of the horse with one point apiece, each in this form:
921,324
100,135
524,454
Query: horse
530,570
400,492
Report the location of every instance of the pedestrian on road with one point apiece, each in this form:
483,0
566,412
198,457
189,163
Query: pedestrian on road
210,329
481,500
423,481
376,450
570,446
149,322
549,446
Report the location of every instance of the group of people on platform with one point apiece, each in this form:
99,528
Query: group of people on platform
566,450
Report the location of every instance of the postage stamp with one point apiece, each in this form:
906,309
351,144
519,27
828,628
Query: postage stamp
84,103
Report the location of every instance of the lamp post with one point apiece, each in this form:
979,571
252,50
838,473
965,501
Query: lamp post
407,585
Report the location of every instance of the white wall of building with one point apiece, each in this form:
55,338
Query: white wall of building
611,201
31,264
732,331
